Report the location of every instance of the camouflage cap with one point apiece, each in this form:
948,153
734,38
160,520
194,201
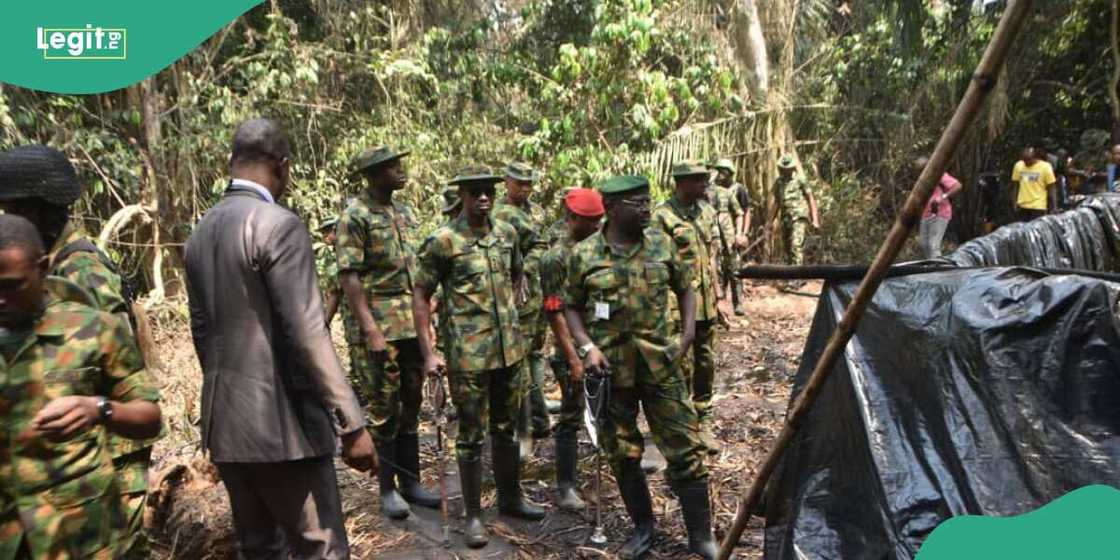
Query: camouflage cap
475,175
724,164
623,184
328,223
38,172
451,199
786,162
373,157
689,168
521,172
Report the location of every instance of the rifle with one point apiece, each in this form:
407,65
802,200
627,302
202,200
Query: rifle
596,392
438,397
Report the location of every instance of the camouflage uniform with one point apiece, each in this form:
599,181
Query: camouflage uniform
484,347
692,229
376,242
132,458
728,213
63,499
530,227
630,290
791,193
554,275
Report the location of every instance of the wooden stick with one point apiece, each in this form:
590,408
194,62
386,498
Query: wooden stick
982,82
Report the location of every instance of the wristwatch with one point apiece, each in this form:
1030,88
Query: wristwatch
584,350
104,410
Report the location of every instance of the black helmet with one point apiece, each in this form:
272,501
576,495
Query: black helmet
38,172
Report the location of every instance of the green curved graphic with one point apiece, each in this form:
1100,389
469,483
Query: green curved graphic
74,46
1081,524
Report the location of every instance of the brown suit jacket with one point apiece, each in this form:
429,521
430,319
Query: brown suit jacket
273,389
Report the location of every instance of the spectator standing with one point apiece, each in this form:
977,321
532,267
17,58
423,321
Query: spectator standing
938,212
1035,181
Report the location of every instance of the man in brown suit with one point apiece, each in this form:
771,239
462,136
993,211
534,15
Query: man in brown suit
275,399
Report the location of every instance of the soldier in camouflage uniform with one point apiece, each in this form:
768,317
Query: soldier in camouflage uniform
797,206
38,183
376,260
476,262
733,222
528,219
618,281
72,375
690,223
583,212
328,279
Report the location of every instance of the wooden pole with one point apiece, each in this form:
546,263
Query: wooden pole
982,82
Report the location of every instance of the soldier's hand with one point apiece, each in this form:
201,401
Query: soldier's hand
522,290
740,242
596,361
434,365
66,417
357,451
376,343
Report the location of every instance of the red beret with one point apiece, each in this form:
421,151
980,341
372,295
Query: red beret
585,202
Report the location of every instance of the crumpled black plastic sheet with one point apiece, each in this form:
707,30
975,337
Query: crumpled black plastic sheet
987,391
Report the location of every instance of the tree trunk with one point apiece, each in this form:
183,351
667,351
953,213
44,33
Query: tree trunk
751,44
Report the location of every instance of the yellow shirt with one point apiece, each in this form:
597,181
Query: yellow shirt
1033,182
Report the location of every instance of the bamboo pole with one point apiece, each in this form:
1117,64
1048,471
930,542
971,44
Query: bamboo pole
983,81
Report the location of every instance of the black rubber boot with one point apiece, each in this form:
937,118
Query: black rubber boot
635,494
507,479
408,469
567,458
696,508
392,504
470,480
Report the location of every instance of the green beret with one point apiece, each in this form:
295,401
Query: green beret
451,199
475,175
373,157
689,168
328,223
521,172
786,162
623,184
724,164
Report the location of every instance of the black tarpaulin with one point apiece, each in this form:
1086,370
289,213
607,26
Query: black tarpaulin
986,391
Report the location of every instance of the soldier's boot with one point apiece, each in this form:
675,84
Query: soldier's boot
567,458
635,495
470,480
392,504
507,479
408,471
736,303
696,508
524,435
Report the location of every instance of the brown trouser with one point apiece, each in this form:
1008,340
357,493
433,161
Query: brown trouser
290,507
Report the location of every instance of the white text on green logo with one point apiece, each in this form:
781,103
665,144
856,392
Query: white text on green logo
90,43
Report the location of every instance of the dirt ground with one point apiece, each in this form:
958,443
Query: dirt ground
756,359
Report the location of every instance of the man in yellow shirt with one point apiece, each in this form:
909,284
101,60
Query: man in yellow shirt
1035,180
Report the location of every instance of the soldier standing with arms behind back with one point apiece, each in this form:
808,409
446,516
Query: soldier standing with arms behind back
618,282
377,265
38,183
583,210
528,219
797,206
687,220
734,211
476,262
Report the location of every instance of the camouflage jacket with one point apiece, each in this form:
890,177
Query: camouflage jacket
62,497
87,271
621,297
693,233
377,243
791,194
728,212
533,243
477,305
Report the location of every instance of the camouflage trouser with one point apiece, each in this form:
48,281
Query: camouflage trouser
486,401
132,477
391,392
533,327
672,423
699,368
571,403
793,233
729,264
